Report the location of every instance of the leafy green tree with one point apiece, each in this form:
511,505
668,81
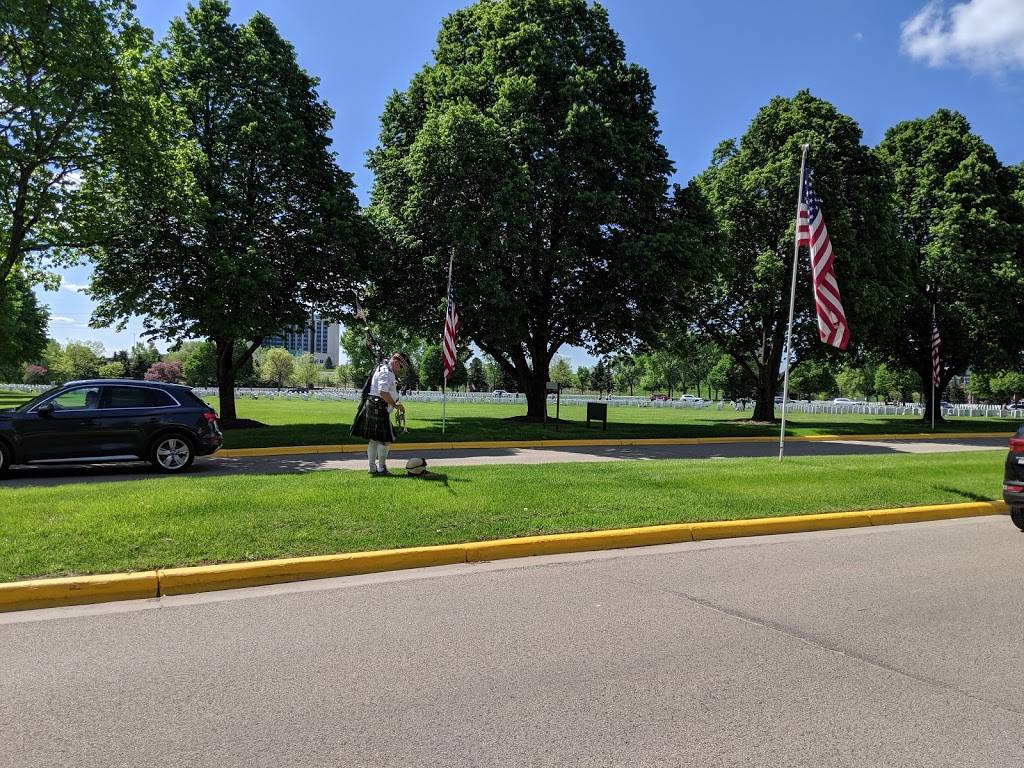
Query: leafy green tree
560,372
601,377
431,370
978,386
307,370
23,325
529,148
392,337
477,379
329,364
955,391
960,223
493,373
583,378
811,378
854,380
141,357
894,381
1007,387
277,366
625,373
730,378
199,365
113,370
78,360
228,218
59,72
751,188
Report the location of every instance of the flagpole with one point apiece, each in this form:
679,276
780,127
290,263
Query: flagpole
444,379
792,303
933,368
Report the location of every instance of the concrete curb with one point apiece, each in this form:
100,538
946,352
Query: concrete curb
47,593
296,450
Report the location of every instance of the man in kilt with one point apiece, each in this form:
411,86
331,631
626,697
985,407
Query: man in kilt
373,419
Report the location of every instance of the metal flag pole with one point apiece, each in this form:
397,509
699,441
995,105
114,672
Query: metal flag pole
447,309
792,303
933,367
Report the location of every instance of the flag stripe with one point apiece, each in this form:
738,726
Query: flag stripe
812,232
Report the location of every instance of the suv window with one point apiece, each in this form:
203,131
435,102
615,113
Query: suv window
137,397
79,399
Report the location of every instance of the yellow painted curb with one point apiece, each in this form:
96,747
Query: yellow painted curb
292,450
77,590
728,529
44,593
588,541
936,512
207,578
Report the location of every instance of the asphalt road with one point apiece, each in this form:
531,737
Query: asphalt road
50,475
895,646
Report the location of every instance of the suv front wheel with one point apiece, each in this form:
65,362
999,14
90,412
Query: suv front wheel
5,458
172,453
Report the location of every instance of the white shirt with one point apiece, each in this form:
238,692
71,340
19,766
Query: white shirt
384,381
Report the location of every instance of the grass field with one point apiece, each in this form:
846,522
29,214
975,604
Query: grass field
162,522
315,422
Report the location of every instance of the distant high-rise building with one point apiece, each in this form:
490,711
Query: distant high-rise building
320,337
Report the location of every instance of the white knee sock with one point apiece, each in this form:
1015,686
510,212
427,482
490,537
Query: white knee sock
372,450
382,456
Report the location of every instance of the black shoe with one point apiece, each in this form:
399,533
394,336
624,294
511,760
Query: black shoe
384,473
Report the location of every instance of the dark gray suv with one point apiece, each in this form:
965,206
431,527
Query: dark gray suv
110,420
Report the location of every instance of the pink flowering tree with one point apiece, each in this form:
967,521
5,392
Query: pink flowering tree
169,372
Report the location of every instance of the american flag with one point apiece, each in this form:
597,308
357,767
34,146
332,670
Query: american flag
812,232
936,342
451,328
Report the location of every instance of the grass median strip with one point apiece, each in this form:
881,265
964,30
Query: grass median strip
165,522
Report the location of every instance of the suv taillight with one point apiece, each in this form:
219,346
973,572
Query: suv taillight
1017,444
210,416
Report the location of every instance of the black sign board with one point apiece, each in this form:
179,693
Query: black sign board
598,412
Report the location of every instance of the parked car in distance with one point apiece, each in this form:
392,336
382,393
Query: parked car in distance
843,401
499,393
104,420
1013,479
690,399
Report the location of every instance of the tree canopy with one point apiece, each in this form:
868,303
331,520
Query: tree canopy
962,226
751,189
529,148
229,218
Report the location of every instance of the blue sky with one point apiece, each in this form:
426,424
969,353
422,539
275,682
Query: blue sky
714,64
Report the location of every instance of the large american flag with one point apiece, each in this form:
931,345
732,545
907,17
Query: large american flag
451,328
936,342
812,232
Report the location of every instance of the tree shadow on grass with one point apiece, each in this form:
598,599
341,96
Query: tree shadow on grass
962,493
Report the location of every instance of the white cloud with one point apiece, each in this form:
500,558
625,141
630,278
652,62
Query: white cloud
983,35
858,36
61,319
73,287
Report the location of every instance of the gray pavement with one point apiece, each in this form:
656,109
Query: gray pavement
893,646
50,475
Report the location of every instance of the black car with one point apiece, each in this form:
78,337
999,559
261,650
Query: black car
110,420
1013,479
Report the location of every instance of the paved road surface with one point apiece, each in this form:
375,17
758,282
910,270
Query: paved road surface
896,646
38,475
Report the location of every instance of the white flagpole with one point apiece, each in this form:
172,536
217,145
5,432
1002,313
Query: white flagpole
447,309
933,367
792,303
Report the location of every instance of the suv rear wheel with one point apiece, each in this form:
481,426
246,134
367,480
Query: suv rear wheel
172,453
5,458
1017,515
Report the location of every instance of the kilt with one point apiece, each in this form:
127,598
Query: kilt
373,422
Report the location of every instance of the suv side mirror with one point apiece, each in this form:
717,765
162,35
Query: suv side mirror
46,410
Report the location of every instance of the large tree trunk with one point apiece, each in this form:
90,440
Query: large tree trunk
767,383
226,371
536,397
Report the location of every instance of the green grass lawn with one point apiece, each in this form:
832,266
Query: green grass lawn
162,522
316,422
